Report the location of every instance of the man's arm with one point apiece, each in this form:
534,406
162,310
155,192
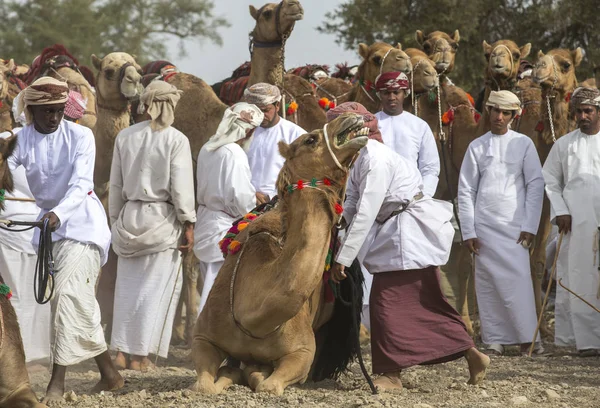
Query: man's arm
182,181
534,187
115,198
429,163
82,178
554,179
468,185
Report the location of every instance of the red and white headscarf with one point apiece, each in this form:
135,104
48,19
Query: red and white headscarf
75,106
392,81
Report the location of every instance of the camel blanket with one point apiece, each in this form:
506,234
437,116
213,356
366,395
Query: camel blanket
146,296
76,334
233,91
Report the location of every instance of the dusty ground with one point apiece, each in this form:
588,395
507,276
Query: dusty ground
562,380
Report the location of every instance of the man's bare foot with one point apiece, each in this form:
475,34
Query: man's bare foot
389,382
478,364
53,398
142,364
106,384
364,335
120,361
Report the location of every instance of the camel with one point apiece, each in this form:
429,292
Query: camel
377,58
423,79
10,86
267,301
15,389
441,49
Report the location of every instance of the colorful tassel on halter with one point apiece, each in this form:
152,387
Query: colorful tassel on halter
2,194
291,108
326,104
471,100
448,117
432,96
5,290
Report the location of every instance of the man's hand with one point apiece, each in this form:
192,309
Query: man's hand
187,240
526,239
564,223
54,222
473,245
337,272
262,198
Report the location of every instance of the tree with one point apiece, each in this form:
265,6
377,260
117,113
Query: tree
84,27
546,24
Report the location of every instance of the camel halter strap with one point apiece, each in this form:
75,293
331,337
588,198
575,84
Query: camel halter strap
335,159
512,62
550,115
383,60
414,98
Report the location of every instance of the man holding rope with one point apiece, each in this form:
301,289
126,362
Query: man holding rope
152,214
572,176
58,157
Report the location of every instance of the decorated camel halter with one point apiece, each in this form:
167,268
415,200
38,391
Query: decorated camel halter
548,105
415,98
512,62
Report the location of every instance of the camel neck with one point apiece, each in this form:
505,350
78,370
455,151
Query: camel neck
265,65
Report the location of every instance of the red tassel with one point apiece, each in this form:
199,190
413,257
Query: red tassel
338,208
300,184
539,127
568,97
326,181
477,116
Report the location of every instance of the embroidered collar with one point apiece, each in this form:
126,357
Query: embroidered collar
313,183
5,290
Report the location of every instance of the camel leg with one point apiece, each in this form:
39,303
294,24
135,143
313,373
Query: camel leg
227,376
178,336
256,374
190,273
207,359
290,369
538,263
467,289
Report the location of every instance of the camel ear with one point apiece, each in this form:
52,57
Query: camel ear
540,54
97,62
11,64
7,146
420,37
525,50
456,36
253,12
399,46
284,150
134,57
487,49
363,50
577,56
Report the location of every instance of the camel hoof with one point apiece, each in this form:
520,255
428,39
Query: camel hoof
204,387
270,387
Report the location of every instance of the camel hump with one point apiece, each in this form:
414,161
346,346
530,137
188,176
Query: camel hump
157,67
232,91
242,71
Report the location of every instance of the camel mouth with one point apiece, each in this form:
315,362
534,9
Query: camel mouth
295,16
353,131
442,65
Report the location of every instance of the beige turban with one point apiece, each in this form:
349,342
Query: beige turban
586,96
505,100
160,99
236,121
262,94
44,91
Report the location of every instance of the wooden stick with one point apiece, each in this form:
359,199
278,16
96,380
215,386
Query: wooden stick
552,273
577,296
27,200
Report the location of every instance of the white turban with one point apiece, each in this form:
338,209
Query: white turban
505,100
262,94
160,99
236,121
19,118
44,91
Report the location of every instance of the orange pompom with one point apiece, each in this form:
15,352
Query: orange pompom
471,99
242,226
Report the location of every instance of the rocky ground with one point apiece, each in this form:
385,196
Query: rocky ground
562,380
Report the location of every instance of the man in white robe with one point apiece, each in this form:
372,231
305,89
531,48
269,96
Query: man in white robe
405,133
152,214
17,264
500,194
58,157
572,176
225,190
402,236
263,154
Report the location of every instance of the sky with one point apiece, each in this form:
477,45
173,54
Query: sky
213,63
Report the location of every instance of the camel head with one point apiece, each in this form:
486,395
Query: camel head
503,58
556,70
6,67
7,146
381,57
424,76
118,77
440,47
310,156
273,20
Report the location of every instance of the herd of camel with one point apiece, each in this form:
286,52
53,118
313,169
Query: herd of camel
543,87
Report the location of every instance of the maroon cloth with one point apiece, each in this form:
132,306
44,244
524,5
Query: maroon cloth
412,323
391,81
355,107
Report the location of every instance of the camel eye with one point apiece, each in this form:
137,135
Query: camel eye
377,59
516,56
454,46
426,47
566,65
268,14
310,140
487,55
109,73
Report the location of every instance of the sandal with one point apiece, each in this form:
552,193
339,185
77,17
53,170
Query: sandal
588,353
538,351
494,350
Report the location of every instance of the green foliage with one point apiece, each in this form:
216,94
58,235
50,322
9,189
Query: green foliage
86,27
546,24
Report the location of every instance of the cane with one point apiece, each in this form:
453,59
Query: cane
552,273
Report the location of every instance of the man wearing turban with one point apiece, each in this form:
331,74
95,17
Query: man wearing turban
225,190
405,133
152,214
58,157
500,195
572,176
263,154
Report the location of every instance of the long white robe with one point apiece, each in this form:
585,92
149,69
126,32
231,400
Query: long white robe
225,194
17,265
572,176
151,196
421,236
500,194
59,168
411,137
263,154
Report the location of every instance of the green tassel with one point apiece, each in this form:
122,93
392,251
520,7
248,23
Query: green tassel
290,189
2,194
4,289
431,96
313,182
